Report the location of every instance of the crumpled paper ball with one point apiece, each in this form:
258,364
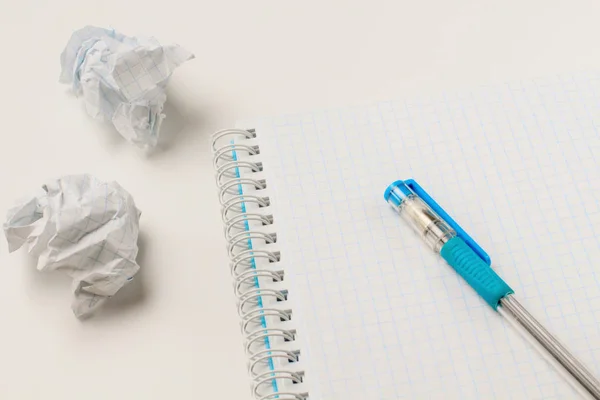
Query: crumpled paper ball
122,79
83,227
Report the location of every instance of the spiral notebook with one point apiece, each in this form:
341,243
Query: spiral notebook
339,300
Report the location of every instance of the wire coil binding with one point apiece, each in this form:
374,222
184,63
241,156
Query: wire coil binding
258,280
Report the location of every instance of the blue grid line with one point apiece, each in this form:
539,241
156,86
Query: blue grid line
322,156
360,251
590,260
485,136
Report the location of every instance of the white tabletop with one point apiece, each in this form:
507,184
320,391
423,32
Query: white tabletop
174,332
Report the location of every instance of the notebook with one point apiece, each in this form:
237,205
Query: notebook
338,299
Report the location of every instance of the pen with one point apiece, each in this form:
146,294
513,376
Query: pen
470,261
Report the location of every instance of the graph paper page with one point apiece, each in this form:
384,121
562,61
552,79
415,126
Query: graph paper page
380,315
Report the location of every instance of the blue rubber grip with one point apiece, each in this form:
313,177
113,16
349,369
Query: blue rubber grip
475,271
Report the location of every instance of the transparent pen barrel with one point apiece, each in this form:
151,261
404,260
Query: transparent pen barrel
434,231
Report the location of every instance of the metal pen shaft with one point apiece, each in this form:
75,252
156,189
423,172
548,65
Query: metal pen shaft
511,309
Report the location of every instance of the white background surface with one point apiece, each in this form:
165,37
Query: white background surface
174,333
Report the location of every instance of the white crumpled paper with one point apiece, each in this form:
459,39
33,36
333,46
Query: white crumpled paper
122,79
84,227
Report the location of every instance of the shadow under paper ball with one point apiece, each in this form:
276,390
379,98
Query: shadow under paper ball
44,285
181,126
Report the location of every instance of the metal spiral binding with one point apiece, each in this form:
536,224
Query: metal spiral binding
258,280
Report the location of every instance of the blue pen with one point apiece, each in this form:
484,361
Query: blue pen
468,259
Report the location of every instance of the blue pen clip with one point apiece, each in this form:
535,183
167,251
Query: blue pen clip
419,191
